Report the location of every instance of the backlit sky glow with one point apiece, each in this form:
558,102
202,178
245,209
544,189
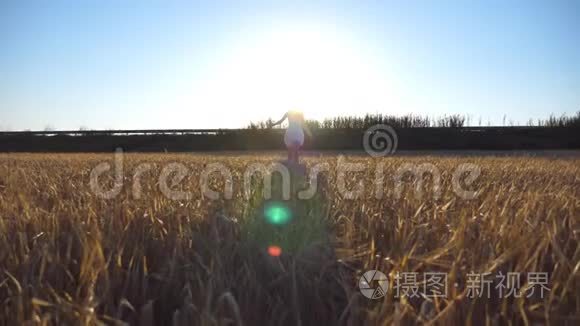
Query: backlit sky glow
143,64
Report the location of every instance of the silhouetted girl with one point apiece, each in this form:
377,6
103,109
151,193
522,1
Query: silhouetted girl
294,137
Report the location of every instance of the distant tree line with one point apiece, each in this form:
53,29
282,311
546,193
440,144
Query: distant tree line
414,121
405,121
335,134
562,121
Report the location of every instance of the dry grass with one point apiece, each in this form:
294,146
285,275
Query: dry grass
69,257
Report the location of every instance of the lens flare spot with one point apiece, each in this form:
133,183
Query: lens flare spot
274,251
277,214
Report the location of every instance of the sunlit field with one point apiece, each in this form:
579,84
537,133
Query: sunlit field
69,256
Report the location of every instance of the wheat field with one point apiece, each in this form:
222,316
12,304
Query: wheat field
70,257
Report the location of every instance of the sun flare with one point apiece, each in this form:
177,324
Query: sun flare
311,69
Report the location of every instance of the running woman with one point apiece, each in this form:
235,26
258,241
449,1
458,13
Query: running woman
294,137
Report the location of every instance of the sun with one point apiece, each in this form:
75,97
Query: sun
317,70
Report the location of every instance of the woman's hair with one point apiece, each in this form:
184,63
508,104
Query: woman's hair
295,115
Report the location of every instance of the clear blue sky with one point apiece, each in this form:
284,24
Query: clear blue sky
163,64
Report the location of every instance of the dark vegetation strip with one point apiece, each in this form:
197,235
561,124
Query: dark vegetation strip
461,138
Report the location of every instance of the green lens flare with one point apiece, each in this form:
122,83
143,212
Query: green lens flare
277,214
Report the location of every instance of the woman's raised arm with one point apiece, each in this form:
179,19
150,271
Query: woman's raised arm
279,121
